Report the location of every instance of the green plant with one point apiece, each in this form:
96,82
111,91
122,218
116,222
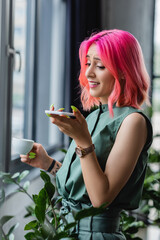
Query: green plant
151,190
130,226
133,221
48,224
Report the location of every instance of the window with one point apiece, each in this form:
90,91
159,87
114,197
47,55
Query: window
156,77
32,74
20,21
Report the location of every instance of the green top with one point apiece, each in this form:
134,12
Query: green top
103,128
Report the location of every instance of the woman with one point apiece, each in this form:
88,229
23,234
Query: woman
107,158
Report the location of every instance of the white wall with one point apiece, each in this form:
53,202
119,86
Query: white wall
135,16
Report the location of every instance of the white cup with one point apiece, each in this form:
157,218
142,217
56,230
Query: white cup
22,146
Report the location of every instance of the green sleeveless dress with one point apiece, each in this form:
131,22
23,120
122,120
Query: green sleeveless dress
69,180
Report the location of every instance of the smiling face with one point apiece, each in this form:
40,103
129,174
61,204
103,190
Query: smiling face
101,81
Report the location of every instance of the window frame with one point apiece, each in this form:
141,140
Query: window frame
6,66
154,74
15,164
34,36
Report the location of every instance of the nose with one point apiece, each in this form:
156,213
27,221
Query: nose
90,73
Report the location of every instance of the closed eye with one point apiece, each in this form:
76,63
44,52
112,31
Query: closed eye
101,67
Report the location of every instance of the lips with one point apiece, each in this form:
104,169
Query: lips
93,84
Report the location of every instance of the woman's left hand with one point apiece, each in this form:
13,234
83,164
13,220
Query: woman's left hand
75,128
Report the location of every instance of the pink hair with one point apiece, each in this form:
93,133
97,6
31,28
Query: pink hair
121,54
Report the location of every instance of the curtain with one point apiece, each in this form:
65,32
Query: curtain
83,17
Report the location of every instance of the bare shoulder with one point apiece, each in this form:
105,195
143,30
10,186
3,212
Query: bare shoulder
135,120
134,125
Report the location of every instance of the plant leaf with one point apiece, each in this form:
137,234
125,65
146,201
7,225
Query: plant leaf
48,231
63,150
45,176
35,196
57,200
40,213
5,219
30,236
16,175
2,196
70,225
26,185
41,205
11,236
8,179
23,175
30,210
152,178
88,212
60,235
3,174
31,225
12,228
50,189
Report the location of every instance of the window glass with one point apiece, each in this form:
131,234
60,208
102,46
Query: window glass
156,95
57,82
19,76
40,38
156,65
156,78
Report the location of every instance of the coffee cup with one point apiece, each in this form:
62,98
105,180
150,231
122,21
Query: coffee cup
22,146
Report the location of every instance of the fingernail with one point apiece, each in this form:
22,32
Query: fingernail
74,108
66,116
48,115
60,109
32,154
51,106
32,157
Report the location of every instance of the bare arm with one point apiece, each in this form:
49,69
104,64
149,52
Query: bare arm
104,186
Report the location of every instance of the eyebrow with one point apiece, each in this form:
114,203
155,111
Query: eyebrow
96,58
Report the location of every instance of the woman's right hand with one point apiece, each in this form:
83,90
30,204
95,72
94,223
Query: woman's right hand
41,160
